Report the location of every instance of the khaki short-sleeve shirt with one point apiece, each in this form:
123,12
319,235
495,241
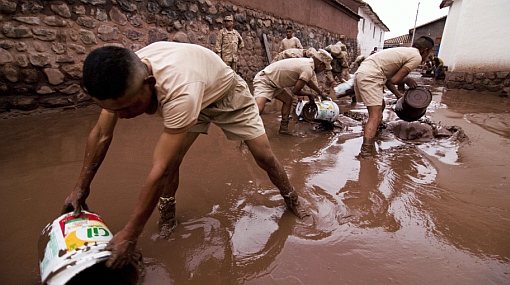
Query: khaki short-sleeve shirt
386,63
290,43
376,69
188,79
286,72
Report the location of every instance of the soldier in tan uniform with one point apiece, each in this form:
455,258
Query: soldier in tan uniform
190,88
294,53
228,43
386,68
357,62
298,53
339,65
290,41
270,83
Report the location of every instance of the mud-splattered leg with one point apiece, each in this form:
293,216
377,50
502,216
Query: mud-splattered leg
166,207
374,119
265,158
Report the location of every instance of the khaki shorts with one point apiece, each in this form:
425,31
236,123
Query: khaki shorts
369,89
263,87
236,114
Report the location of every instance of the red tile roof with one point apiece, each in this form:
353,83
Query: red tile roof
404,39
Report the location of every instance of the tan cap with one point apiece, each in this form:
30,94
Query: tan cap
228,18
310,52
342,37
336,50
325,57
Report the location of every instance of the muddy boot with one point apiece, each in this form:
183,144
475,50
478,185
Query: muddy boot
292,201
167,220
367,149
284,127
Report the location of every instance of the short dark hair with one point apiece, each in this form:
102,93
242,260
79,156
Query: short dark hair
423,43
107,71
289,28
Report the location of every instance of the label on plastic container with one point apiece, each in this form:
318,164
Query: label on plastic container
328,111
71,240
87,228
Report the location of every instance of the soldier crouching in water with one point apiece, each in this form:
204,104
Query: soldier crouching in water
298,53
294,53
229,41
270,82
190,87
386,68
339,67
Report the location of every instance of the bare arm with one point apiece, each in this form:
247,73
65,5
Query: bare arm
400,78
298,89
313,86
329,76
241,42
298,44
97,146
166,162
393,89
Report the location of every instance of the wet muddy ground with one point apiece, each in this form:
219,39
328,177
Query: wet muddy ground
433,212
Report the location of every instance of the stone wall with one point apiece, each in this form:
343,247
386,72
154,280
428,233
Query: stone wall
479,81
43,43
327,14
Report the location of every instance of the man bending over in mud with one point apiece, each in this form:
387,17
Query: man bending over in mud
270,82
190,87
388,68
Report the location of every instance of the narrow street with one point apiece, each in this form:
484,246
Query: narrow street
432,211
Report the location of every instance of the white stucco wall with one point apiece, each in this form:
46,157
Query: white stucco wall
476,37
366,39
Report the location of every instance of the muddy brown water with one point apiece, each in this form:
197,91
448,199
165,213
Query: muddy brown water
429,213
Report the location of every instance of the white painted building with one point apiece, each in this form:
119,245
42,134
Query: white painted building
476,36
370,30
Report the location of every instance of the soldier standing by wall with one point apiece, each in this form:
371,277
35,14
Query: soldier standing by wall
228,43
290,41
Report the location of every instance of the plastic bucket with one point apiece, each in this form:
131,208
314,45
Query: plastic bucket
413,105
322,111
70,245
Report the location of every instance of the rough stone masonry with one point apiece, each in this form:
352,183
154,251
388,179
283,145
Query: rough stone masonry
43,43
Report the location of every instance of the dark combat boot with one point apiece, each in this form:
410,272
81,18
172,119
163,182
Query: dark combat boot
167,220
284,127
